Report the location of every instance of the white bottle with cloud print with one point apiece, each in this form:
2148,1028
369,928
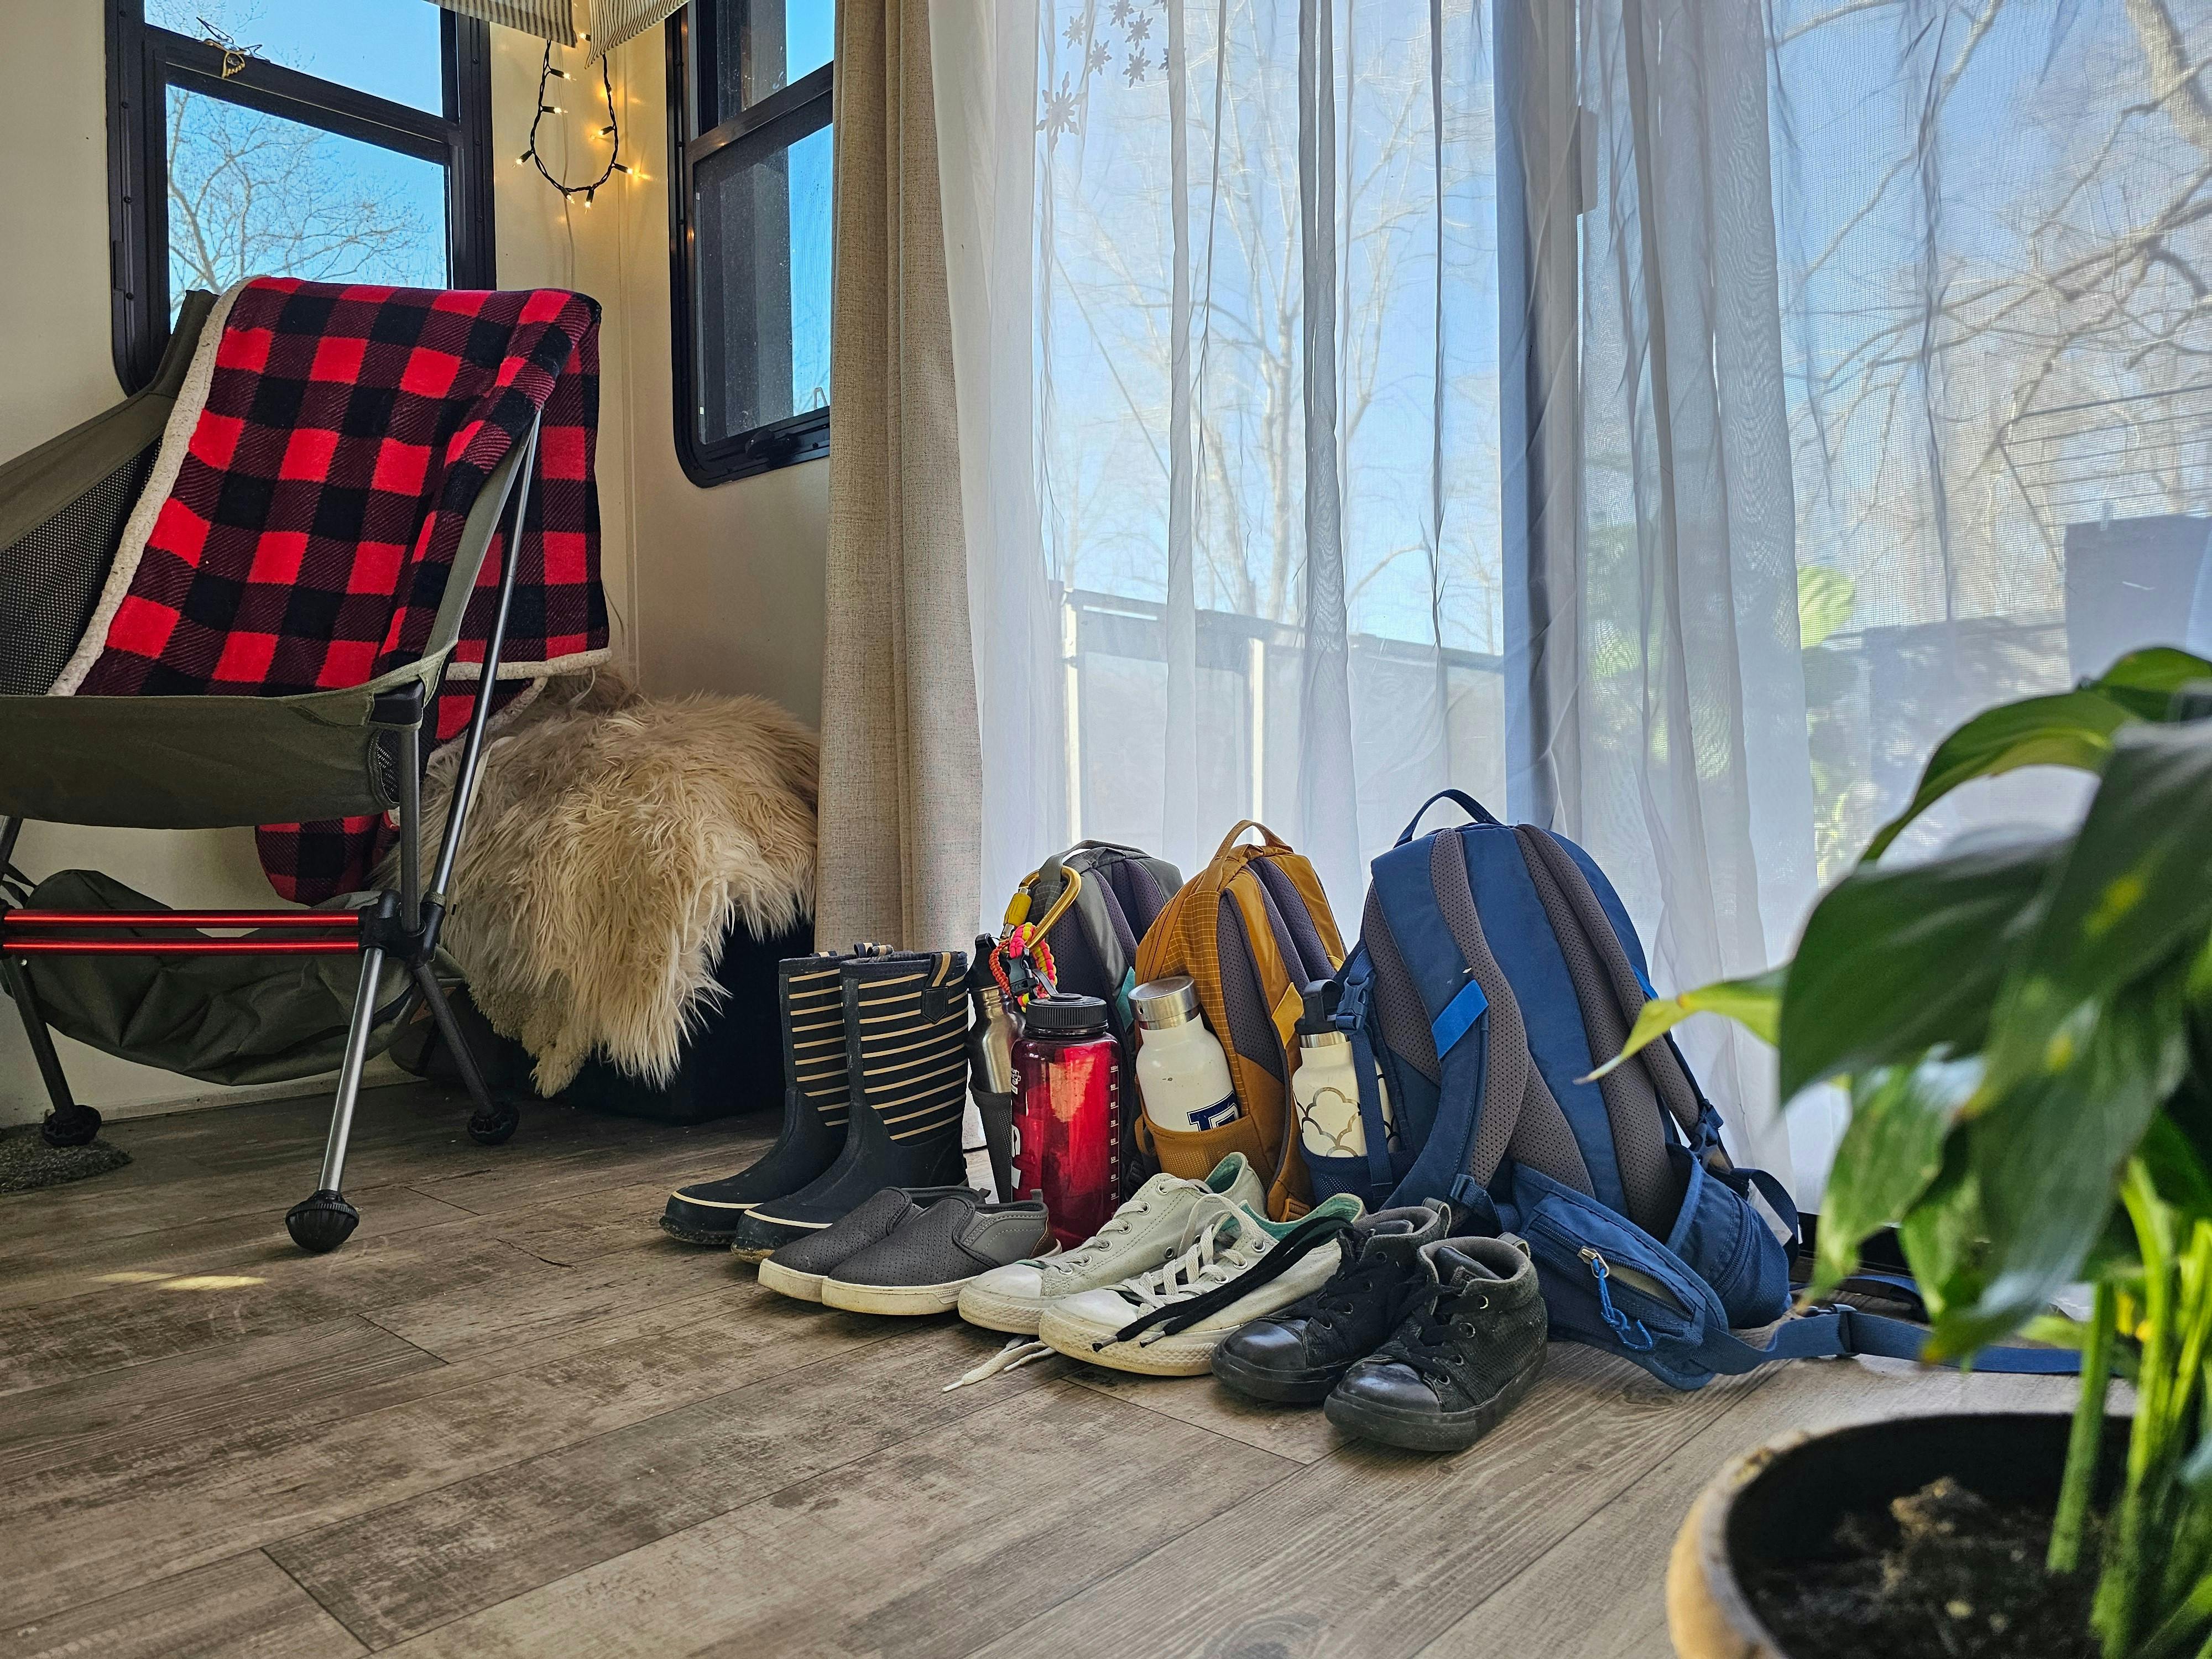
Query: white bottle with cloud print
1325,1086
1181,1071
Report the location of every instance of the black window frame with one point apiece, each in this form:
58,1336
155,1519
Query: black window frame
776,122
144,60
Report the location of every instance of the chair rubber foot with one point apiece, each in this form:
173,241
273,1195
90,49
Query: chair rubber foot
497,1122
73,1126
322,1221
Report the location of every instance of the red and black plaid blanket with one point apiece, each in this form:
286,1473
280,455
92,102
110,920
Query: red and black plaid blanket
305,541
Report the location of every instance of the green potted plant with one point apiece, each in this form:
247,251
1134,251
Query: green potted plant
2025,1031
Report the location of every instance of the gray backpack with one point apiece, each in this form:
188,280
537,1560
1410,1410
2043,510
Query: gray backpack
1093,941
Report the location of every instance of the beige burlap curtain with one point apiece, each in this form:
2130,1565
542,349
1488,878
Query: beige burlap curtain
900,859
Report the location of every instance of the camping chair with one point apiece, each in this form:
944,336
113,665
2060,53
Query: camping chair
199,763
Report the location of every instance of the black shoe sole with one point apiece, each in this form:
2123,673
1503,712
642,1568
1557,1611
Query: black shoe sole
697,1235
1307,1387
1432,1431
756,1239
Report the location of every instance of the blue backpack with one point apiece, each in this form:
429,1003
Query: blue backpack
1495,970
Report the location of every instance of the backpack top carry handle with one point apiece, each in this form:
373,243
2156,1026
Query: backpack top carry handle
1459,798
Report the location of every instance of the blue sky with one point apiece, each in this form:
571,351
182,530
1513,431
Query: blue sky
388,47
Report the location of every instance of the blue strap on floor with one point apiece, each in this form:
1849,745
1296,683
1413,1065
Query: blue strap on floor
1843,1331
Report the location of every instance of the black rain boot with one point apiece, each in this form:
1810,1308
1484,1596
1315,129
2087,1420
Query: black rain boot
906,1017
1471,1347
815,1110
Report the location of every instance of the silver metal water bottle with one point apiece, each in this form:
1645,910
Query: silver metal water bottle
991,1033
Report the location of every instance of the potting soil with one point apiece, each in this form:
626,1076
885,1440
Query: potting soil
1943,1575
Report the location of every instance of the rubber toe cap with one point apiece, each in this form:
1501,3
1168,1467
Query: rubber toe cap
1271,1345
1389,1385
688,1215
1021,1280
1100,1309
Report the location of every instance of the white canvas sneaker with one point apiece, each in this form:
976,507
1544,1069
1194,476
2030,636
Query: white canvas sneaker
1149,1228
1237,1266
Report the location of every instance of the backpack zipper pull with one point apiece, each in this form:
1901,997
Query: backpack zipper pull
1619,1323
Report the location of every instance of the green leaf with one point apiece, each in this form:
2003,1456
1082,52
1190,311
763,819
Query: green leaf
2070,728
1942,1235
1755,1004
1891,1150
1895,961
2177,1169
1826,597
2046,1152
2135,889
2144,681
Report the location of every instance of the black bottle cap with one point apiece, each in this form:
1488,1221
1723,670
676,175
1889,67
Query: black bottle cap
1065,1014
1320,998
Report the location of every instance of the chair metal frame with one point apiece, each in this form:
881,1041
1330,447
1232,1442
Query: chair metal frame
347,727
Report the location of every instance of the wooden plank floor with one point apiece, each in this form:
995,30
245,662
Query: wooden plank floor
512,1418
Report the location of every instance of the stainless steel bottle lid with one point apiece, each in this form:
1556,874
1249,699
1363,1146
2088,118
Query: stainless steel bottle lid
1160,1003
1323,1040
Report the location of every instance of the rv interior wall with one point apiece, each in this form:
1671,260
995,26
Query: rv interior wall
712,589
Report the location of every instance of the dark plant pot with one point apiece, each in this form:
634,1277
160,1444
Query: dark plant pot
1781,1505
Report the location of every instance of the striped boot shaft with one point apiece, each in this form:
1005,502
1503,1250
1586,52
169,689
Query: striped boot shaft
905,1019
814,1034
816,1108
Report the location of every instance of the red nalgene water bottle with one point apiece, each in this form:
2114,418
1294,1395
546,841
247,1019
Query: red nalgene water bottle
1067,1114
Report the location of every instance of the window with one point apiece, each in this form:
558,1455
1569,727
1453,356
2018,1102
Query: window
749,128
231,163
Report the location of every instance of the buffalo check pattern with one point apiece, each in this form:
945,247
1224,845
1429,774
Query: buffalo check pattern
321,499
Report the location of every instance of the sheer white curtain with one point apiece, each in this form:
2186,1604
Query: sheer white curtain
1226,319
1665,639
1895,401
1995,239
1856,371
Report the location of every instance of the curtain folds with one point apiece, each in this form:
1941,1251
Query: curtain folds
1682,754
608,23
555,20
1225,310
1663,418
900,856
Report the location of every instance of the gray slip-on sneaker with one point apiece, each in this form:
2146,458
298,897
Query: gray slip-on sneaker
796,1269
921,1269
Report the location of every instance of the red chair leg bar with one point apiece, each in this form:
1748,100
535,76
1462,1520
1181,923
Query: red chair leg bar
23,933
323,920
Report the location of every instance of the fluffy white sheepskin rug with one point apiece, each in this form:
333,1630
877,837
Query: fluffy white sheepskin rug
613,841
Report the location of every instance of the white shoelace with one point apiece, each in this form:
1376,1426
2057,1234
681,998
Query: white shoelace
1019,1352
1209,1262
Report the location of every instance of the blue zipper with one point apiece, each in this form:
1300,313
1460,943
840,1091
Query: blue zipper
1619,1323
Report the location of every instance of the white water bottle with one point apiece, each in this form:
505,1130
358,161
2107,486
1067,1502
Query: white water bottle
1181,1071
1325,1086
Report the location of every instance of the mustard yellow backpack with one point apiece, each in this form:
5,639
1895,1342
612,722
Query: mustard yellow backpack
1252,929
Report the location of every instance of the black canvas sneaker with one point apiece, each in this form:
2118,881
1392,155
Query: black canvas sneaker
1471,1347
1298,1355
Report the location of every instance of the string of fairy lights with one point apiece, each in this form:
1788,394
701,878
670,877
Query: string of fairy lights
612,131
